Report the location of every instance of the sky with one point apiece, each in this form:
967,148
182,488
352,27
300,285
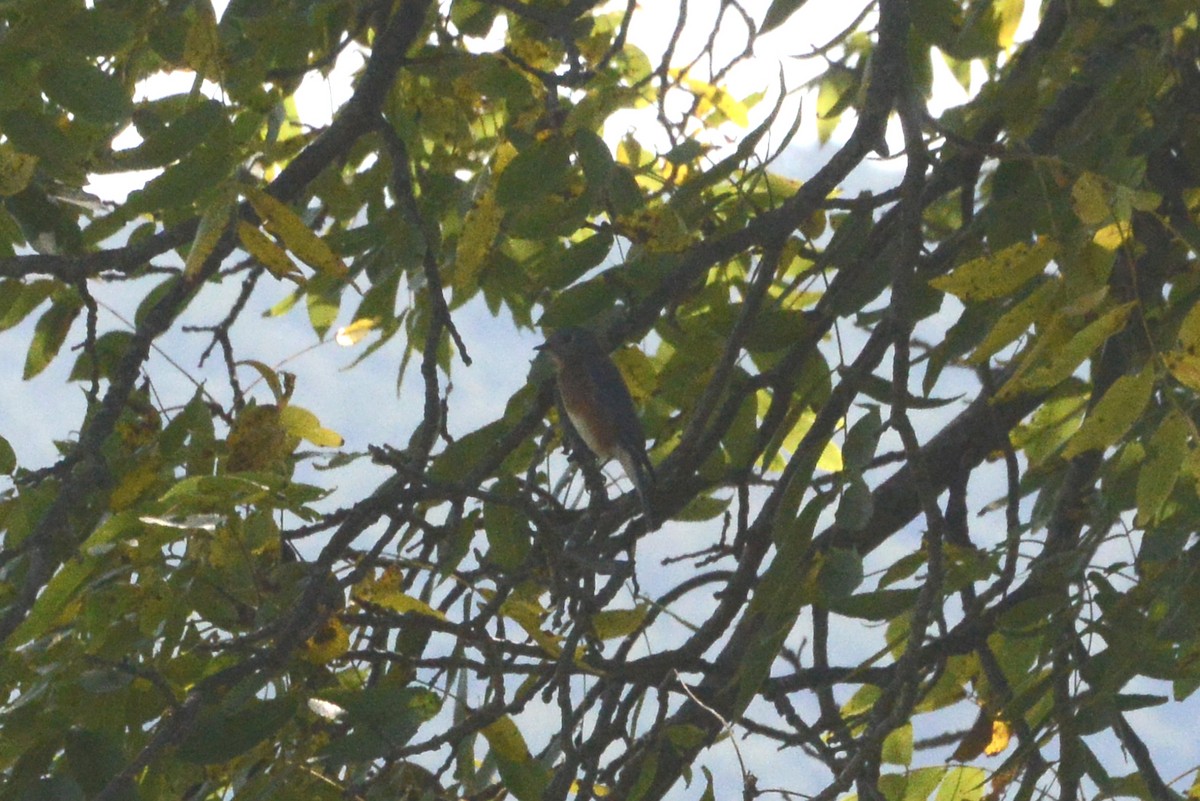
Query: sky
364,404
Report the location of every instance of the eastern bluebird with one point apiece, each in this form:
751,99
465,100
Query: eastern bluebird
598,404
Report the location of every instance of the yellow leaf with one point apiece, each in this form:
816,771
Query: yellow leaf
268,254
284,223
304,424
1112,236
613,623
16,170
1113,414
387,591
212,227
352,334
329,643
999,274
1001,734
715,97
1008,13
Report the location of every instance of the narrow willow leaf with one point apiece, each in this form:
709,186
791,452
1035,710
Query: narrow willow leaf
1114,414
998,274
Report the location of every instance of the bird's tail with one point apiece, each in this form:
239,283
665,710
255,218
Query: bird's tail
637,466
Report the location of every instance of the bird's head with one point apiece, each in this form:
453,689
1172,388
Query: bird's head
571,344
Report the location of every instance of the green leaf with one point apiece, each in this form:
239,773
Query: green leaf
85,89
18,299
1158,475
778,13
538,170
380,719
213,224
508,534
962,784
8,457
898,746
857,504
220,735
610,624
840,574
861,440
879,605
50,332
110,347
999,274
1113,414
16,170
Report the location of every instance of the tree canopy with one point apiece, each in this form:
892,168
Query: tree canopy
927,455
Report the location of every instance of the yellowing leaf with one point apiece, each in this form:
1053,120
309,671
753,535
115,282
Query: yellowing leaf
134,483
830,459
1048,366
202,43
1091,199
999,274
1184,360
387,591
16,170
1166,453
1113,414
329,643
1039,305
352,334
480,227
613,623
291,230
304,424
268,254
505,739
212,227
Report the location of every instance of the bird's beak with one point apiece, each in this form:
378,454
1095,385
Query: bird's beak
542,346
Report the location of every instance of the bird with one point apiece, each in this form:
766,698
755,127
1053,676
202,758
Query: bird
598,405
